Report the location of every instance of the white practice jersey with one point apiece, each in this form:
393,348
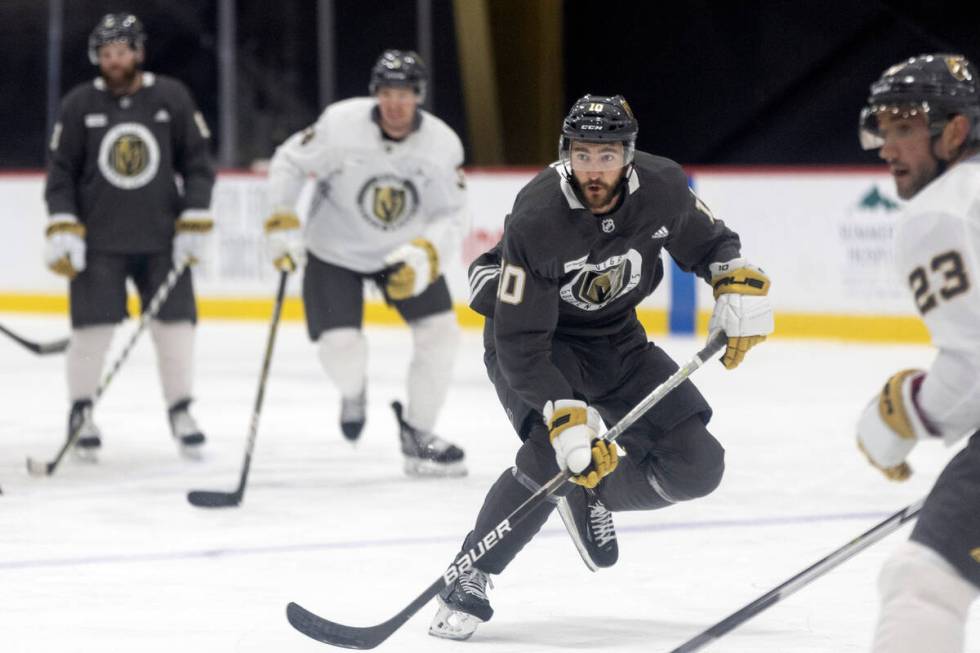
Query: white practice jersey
372,194
938,254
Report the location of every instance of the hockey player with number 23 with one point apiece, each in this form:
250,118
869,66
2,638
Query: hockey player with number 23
565,350
923,115
117,212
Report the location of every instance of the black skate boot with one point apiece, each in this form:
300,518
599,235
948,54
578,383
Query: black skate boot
462,606
426,454
353,413
185,430
89,438
591,526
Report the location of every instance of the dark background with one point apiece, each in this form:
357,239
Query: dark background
751,82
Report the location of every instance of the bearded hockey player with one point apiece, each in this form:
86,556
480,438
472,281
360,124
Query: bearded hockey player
923,117
565,350
117,212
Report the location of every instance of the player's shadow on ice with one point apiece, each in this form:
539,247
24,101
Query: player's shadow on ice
592,633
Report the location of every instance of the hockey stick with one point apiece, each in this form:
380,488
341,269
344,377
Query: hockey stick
210,499
40,468
330,632
802,579
41,348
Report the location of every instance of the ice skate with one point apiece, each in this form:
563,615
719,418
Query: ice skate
353,413
89,438
462,606
426,454
185,430
591,527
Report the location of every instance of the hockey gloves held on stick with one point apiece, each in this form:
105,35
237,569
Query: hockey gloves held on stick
573,427
891,424
284,241
64,252
191,238
413,266
742,308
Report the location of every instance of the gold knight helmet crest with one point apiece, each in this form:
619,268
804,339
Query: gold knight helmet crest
957,68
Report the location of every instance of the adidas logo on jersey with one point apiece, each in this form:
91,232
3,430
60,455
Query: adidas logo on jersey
660,233
162,116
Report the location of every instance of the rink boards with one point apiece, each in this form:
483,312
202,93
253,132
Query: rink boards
823,234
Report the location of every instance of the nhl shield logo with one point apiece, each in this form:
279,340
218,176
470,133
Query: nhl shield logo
608,226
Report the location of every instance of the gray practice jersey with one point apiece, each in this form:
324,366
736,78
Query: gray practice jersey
115,164
372,194
937,250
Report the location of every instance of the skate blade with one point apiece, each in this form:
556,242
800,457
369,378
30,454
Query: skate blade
429,469
451,624
87,455
191,450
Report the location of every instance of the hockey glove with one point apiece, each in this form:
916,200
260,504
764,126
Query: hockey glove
891,425
413,267
192,231
64,252
284,241
742,308
573,427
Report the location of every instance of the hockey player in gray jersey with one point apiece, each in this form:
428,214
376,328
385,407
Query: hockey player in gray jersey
565,350
117,212
389,207
923,115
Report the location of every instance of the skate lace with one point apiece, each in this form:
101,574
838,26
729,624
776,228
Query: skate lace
475,583
602,523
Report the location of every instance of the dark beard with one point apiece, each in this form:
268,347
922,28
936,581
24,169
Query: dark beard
121,81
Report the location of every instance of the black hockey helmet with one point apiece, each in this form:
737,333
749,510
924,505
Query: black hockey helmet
937,86
399,68
599,119
115,27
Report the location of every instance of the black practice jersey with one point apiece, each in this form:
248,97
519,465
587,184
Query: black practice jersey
562,272
115,162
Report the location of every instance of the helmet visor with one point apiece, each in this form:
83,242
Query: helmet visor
587,156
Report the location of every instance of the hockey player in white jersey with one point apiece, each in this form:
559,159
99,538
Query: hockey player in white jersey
389,206
924,115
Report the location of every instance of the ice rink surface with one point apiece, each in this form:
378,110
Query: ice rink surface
111,557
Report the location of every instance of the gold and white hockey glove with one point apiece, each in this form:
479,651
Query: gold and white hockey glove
573,427
413,267
891,425
64,252
191,236
742,308
284,241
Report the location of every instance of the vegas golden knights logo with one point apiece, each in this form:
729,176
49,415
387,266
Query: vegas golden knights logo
389,203
597,288
595,285
129,155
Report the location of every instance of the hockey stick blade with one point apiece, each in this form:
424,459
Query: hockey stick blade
41,348
208,499
331,632
37,468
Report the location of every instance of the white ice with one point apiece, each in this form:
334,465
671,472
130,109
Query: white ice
111,557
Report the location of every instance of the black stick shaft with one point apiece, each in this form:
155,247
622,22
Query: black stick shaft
802,579
222,499
336,634
36,468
